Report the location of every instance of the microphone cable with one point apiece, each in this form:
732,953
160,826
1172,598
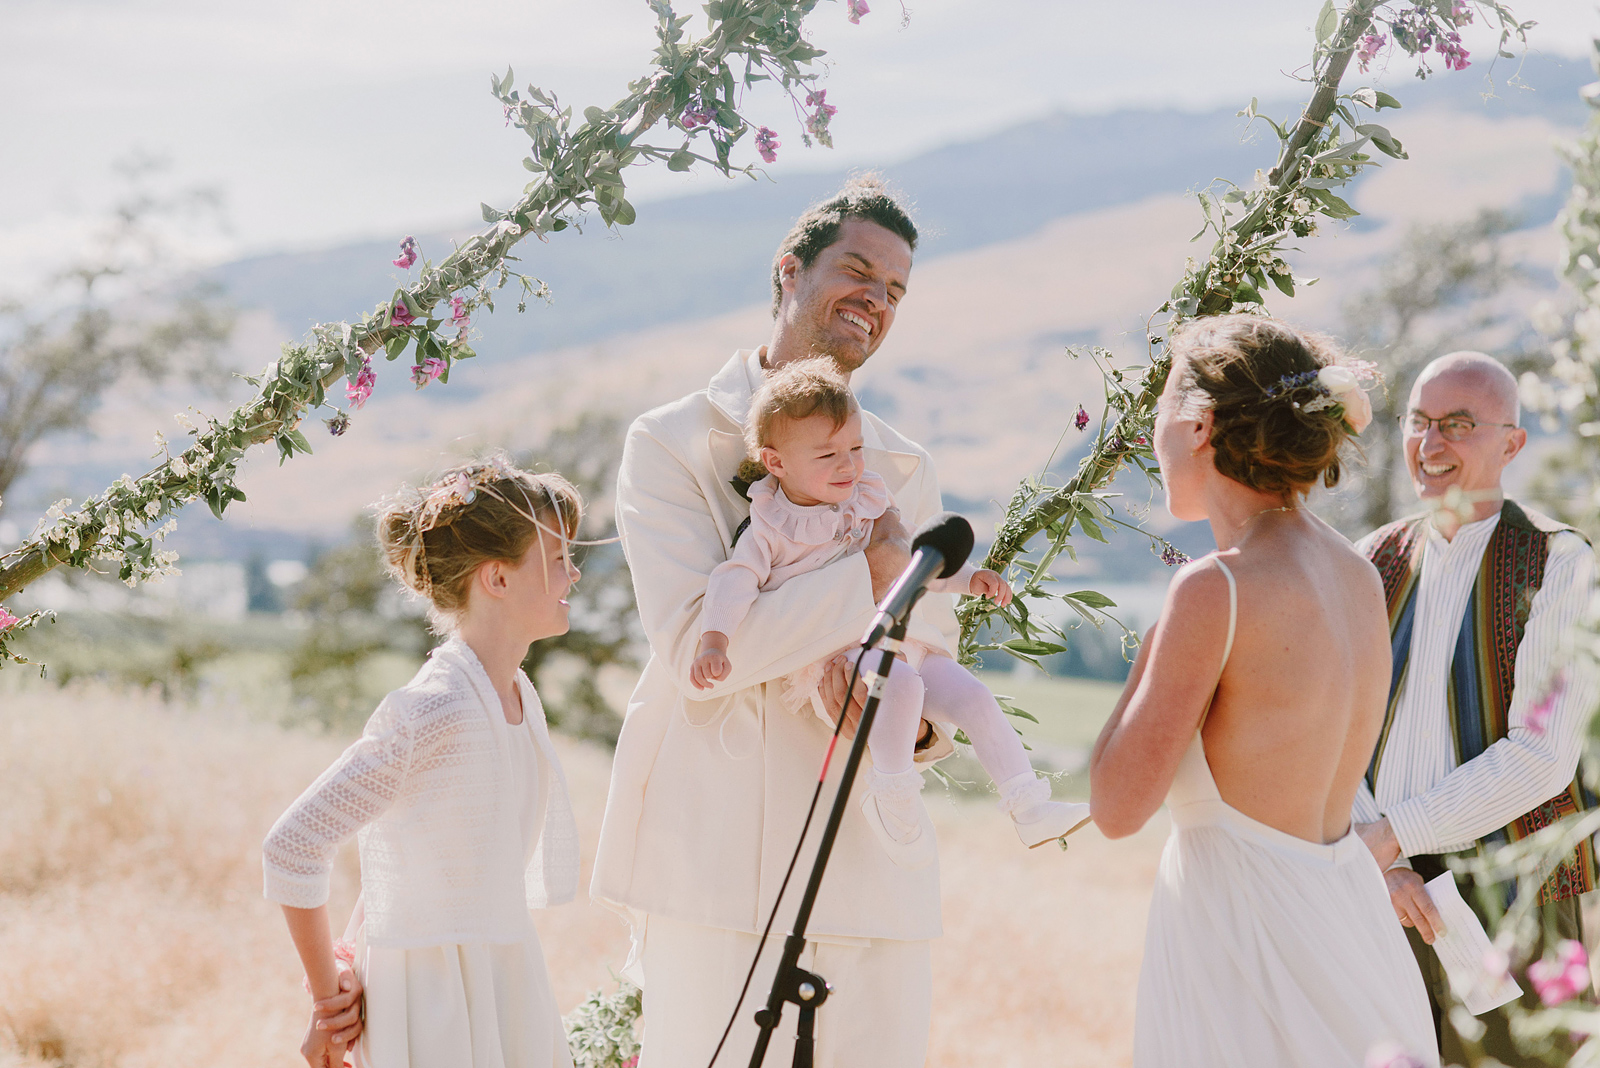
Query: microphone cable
816,794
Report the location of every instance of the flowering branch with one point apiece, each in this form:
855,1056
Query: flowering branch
1324,149
693,87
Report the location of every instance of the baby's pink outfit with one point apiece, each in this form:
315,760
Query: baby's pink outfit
785,539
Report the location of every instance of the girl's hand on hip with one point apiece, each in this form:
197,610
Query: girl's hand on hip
340,1016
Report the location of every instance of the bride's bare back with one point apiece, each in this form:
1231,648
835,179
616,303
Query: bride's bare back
1253,415
1300,702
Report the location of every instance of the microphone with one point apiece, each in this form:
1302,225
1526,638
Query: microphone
938,550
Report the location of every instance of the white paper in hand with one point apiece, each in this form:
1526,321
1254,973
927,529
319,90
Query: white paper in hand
1463,949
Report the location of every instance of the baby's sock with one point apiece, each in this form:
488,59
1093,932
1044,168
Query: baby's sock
1021,795
955,695
893,741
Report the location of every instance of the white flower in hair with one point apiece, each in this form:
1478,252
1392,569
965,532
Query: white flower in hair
1344,386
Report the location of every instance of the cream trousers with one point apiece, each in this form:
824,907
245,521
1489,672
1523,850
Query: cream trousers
876,1017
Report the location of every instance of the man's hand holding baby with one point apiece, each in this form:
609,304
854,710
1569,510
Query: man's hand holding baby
986,583
711,662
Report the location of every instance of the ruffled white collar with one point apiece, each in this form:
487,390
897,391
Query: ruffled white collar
818,524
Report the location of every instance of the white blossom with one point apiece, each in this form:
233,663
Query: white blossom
185,422
152,508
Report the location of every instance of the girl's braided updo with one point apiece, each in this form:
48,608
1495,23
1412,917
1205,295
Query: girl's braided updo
435,537
1274,426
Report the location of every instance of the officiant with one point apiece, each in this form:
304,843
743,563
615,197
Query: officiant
1483,731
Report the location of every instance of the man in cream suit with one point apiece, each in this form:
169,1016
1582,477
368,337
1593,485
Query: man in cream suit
709,788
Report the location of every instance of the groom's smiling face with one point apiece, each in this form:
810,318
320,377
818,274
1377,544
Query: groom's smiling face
844,303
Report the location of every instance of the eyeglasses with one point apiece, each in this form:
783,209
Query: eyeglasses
1451,427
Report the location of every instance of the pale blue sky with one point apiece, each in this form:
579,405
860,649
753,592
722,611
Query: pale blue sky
323,120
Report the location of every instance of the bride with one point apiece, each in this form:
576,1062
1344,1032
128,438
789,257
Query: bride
1252,709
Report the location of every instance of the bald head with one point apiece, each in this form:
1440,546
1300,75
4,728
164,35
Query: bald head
1493,388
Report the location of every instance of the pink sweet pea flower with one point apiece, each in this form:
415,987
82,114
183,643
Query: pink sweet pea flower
767,144
1081,420
856,9
458,312
1369,47
428,370
697,115
7,620
400,315
358,391
631,1062
1565,977
1455,57
408,253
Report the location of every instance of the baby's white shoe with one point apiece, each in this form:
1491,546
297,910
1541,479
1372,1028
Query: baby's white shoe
893,807
1037,819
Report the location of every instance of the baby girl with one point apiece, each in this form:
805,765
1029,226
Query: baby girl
819,503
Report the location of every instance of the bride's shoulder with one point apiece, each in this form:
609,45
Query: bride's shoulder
1198,586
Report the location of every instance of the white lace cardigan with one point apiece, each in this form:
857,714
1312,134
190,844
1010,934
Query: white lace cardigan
428,788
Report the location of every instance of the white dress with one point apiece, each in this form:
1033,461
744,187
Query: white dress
1264,949
467,1005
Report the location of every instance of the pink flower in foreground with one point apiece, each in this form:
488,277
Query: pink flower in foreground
631,1062
767,144
358,391
408,253
7,620
1565,977
1081,420
400,315
458,312
856,9
1537,718
1391,1055
428,370
1369,47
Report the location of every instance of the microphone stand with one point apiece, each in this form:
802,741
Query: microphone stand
792,983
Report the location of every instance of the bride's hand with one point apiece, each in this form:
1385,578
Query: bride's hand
1409,896
1380,842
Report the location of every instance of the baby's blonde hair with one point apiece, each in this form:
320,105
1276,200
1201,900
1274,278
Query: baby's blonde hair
797,390
433,538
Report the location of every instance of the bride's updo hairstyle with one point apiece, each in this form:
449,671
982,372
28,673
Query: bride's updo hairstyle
1274,427
435,537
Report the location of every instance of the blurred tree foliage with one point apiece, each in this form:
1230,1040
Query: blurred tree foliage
121,309
605,619
1436,293
355,612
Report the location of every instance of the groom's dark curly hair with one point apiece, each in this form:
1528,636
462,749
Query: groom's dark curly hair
864,196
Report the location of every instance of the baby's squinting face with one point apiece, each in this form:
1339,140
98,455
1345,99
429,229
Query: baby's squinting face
814,461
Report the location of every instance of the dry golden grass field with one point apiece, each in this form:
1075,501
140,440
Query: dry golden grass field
133,932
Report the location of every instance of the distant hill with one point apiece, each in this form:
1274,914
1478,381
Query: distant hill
697,256
1068,230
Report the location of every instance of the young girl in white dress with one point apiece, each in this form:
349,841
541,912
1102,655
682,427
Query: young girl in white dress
455,793
1252,710
816,504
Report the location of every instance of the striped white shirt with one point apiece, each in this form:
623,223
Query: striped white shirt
1433,805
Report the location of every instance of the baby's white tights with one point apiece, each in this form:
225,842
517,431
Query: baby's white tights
949,693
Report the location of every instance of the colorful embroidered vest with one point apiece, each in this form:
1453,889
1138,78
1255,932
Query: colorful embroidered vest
1482,669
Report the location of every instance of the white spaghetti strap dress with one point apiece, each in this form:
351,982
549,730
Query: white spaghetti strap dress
1264,950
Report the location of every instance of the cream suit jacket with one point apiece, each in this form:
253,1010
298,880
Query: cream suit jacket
709,789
